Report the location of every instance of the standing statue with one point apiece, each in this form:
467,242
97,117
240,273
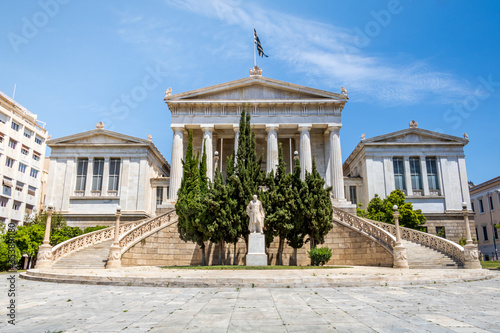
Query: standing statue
257,215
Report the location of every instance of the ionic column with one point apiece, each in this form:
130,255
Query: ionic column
207,142
305,150
236,130
409,186
177,155
423,172
105,177
272,147
328,160
337,175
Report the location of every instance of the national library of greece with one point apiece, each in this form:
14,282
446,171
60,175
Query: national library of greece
94,172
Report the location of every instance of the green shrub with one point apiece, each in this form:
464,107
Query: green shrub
91,229
320,255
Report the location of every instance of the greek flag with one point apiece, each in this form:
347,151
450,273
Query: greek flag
259,45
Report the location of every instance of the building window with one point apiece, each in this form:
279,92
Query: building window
31,190
491,204
485,233
9,162
399,173
159,196
3,202
12,144
114,174
36,156
15,126
81,174
34,173
27,133
415,172
1,137
440,232
472,206
25,150
22,168
97,174
16,205
432,175
477,234
353,194
481,207
496,232
38,140
19,186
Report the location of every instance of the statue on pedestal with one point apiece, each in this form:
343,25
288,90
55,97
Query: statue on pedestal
257,215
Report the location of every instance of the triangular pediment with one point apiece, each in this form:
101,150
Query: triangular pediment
97,137
415,136
256,88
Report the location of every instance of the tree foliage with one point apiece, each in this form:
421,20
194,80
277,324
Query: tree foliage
381,210
317,207
280,204
190,206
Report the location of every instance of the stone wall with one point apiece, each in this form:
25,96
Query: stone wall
164,248
453,224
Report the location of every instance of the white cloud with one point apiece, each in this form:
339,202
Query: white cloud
330,54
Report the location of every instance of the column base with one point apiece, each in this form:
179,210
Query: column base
400,257
114,259
345,205
471,254
44,258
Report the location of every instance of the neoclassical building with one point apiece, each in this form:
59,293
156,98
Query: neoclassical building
429,167
93,172
300,118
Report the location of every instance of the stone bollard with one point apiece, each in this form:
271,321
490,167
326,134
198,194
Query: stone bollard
399,250
115,253
471,253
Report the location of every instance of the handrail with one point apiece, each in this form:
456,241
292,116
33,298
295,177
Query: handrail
380,235
82,241
443,245
146,228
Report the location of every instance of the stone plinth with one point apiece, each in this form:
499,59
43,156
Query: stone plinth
256,255
400,257
471,255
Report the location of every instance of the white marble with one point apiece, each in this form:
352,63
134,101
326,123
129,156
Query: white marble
208,142
256,255
337,177
177,156
272,148
305,150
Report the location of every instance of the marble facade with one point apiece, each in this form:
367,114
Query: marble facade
429,167
300,118
93,172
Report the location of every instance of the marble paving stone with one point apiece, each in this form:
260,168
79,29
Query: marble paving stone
446,307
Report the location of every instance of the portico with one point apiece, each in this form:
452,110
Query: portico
299,118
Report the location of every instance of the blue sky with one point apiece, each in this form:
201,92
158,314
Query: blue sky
76,63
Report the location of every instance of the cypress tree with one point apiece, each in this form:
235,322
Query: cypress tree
190,206
295,238
280,204
318,212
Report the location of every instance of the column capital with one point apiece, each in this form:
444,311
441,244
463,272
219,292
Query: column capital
272,127
207,128
177,127
236,128
333,127
304,127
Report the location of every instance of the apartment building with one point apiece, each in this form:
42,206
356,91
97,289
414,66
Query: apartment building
485,201
22,154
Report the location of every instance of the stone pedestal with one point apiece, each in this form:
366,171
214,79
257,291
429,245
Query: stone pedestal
256,255
471,255
114,258
44,258
400,257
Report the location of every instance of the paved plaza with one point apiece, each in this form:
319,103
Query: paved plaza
440,307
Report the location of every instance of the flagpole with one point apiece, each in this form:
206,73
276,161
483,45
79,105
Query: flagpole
254,47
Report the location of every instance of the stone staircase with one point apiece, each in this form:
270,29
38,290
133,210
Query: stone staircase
423,257
91,257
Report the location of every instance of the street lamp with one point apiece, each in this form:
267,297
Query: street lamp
399,250
114,258
44,258
216,160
